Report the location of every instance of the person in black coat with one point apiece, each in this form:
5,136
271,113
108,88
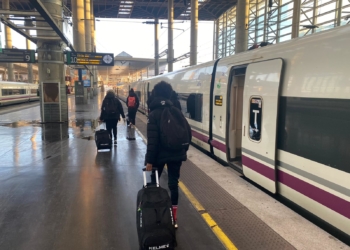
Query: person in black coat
156,155
175,100
133,103
110,113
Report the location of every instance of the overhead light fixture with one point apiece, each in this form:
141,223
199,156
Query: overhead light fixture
84,19
310,26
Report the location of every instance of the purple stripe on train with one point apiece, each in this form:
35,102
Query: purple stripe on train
329,200
258,167
214,143
323,197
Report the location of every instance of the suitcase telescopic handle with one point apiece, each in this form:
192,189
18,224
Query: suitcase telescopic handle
145,179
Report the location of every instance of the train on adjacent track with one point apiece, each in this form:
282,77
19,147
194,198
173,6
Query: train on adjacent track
279,114
17,92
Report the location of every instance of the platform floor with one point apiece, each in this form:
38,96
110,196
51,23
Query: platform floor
58,192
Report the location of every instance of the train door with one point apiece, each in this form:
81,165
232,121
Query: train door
147,94
144,96
260,109
234,114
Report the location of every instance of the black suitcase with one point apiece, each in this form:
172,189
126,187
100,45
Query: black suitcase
154,217
103,139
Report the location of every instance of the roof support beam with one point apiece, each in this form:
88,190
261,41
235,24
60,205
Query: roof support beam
15,28
48,18
34,28
19,13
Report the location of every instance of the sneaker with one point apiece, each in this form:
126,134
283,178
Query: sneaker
175,225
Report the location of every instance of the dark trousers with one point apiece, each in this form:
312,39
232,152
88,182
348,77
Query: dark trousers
111,125
173,178
132,115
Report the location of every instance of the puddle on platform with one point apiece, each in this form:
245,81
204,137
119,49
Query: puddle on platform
79,128
19,124
84,128
91,137
91,124
53,132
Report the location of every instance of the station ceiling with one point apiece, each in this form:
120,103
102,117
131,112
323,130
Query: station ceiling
146,9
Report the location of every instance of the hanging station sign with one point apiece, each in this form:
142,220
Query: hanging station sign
17,55
86,58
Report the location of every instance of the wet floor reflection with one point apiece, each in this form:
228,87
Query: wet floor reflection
18,124
53,132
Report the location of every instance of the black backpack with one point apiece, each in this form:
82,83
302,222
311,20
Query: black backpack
111,109
174,134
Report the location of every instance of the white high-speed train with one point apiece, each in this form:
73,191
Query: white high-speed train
280,113
17,92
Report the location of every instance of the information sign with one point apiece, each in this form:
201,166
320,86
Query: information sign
85,58
17,56
218,100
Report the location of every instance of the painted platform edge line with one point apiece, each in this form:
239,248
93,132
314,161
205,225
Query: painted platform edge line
208,219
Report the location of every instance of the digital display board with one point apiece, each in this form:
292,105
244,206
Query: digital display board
87,83
86,58
17,55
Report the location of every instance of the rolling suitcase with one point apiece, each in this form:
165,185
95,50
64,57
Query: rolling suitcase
130,132
103,139
154,217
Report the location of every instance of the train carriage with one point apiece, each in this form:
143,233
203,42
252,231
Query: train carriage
279,114
17,92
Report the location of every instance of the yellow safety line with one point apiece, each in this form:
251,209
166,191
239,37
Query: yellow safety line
208,219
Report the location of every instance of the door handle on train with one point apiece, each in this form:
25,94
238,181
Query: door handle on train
243,130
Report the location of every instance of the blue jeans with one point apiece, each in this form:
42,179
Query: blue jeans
173,178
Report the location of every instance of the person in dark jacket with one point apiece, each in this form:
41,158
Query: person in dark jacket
110,113
175,100
132,102
156,155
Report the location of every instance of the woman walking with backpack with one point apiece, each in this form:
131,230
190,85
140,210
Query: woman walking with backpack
110,113
132,102
168,139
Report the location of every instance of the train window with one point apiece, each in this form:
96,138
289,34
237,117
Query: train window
33,91
191,105
5,92
255,118
316,129
138,93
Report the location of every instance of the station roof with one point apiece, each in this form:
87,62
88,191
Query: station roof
125,64
145,9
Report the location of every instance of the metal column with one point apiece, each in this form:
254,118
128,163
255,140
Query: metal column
170,34
242,19
93,45
78,11
78,25
156,46
93,26
296,19
217,29
8,37
28,22
53,95
88,45
194,31
87,26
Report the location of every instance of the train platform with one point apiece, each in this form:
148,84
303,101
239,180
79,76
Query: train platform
58,192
